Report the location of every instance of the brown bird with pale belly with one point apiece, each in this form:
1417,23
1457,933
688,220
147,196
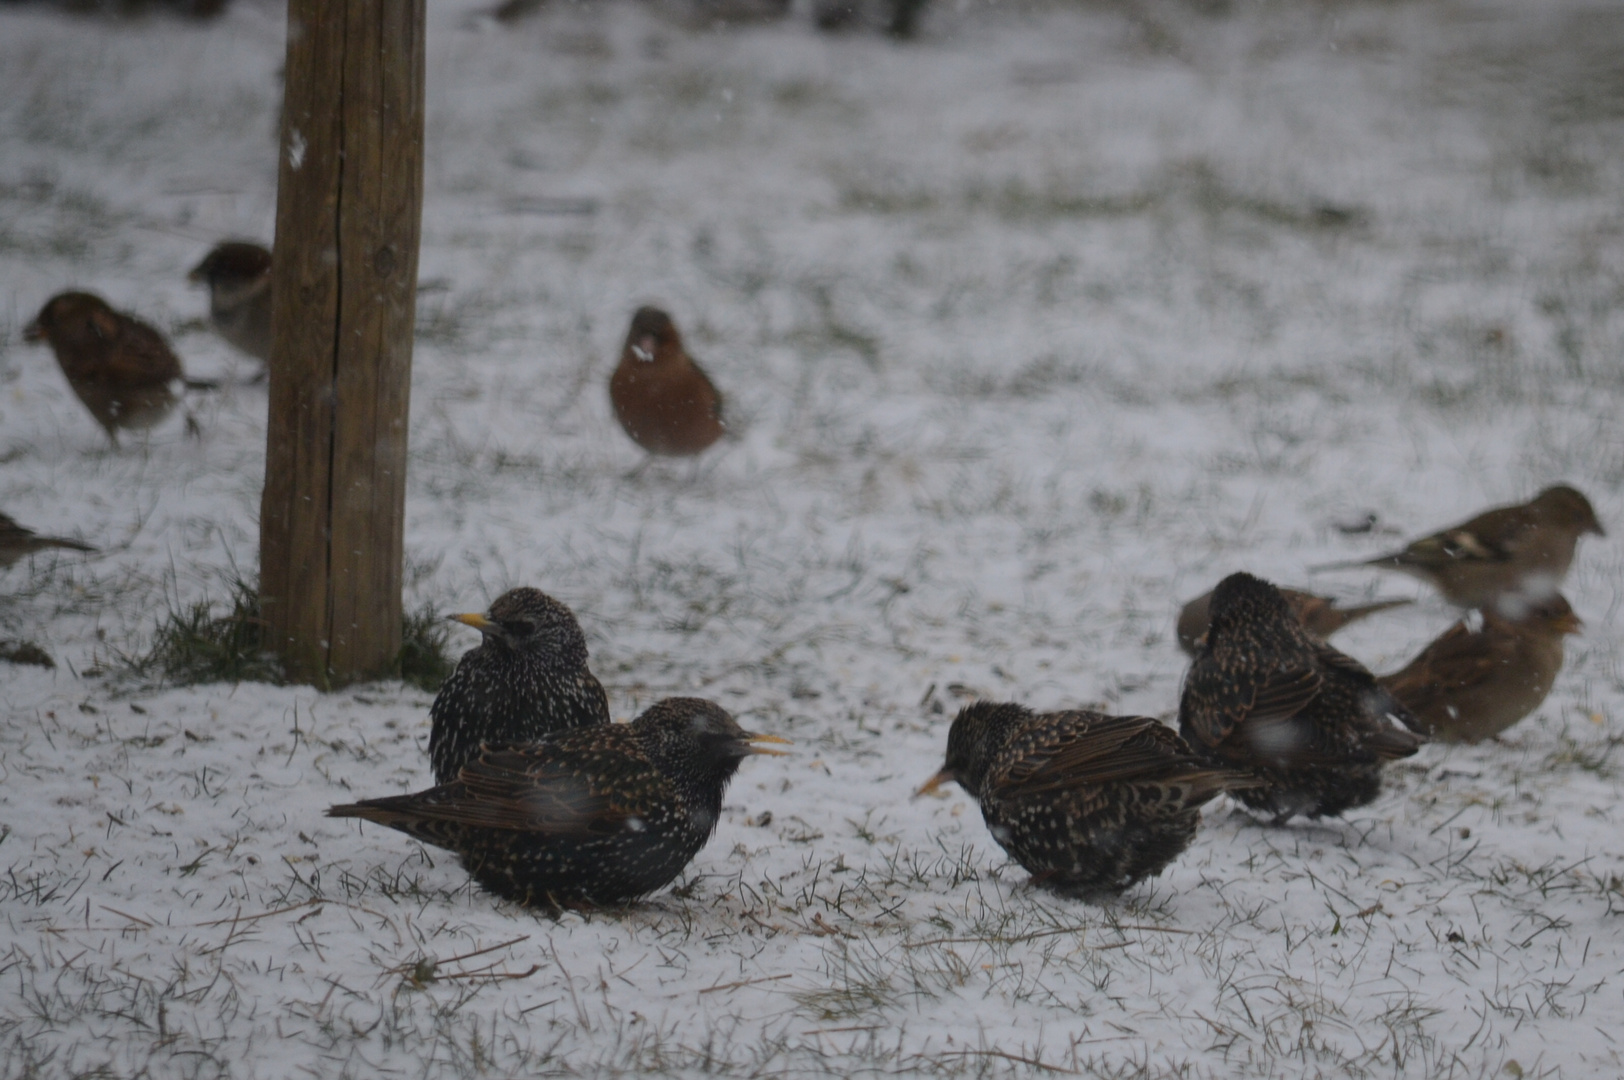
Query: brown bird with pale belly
1319,615
238,275
121,368
1510,551
1470,685
666,403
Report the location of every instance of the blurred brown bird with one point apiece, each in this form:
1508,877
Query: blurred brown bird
17,541
1088,803
121,368
238,275
1318,614
1264,694
1523,550
661,397
1470,685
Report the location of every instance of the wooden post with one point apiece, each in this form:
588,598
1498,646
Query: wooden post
344,283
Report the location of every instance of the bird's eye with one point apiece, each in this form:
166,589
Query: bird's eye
519,627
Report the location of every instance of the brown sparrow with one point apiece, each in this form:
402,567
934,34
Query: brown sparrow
121,368
238,275
1470,685
1522,550
661,397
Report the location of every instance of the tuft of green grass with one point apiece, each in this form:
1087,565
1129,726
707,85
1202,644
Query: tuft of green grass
196,644
425,657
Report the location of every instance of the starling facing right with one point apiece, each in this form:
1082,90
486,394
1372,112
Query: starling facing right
1088,803
1263,694
597,816
526,680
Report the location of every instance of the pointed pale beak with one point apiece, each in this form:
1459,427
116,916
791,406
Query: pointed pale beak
1570,624
643,349
755,737
34,331
478,622
929,787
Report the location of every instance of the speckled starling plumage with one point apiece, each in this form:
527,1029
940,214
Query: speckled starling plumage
1264,694
1522,552
121,368
238,275
1088,803
17,541
598,816
663,399
1470,685
527,679
1319,615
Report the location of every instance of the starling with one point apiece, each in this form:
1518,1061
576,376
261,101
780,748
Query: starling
1319,614
19,540
597,816
1522,550
1088,803
1470,685
238,275
527,679
661,397
1264,694
121,368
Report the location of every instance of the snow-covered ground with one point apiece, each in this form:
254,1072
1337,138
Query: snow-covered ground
1033,329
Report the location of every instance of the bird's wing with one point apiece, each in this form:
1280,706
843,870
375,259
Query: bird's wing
1456,660
140,355
542,789
1092,749
1217,702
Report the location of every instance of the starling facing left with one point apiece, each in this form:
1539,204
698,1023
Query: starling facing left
597,816
1088,803
1265,695
527,679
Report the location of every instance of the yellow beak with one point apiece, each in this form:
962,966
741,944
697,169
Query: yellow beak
930,786
478,622
753,737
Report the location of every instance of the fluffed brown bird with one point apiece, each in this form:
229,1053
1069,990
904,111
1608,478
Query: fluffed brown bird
238,276
661,397
1510,551
598,815
1088,803
121,368
1265,695
1318,614
17,541
1470,685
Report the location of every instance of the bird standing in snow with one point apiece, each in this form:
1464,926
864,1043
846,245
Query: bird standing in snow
121,368
1088,803
1265,695
17,541
1470,685
525,680
661,397
1510,554
238,275
583,818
